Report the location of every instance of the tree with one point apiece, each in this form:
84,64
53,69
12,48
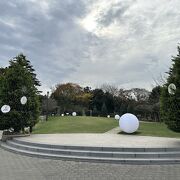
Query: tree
72,97
24,62
109,102
104,109
156,111
130,108
117,104
111,89
95,112
65,95
154,100
83,100
154,96
144,110
137,94
87,89
19,80
123,108
97,99
52,105
170,103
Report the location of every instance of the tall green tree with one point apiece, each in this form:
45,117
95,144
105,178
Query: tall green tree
104,109
170,103
25,63
97,99
19,80
109,102
154,96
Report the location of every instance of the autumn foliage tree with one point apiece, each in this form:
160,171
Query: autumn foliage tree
71,97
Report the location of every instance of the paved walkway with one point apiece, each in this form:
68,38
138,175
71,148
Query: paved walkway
103,140
115,130
18,167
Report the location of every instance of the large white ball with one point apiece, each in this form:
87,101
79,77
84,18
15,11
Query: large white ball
117,117
129,123
74,114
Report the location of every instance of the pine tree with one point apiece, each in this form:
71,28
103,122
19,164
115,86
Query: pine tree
170,103
24,62
19,80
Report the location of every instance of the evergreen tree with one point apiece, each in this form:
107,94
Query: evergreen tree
97,99
95,112
109,102
170,103
155,95
104,109
24,62
19,80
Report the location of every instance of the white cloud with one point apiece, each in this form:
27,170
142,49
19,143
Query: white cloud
91,42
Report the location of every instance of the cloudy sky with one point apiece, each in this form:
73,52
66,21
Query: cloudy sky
128,43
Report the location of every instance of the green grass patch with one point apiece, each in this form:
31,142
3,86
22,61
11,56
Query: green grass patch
78,124
156,129
84,124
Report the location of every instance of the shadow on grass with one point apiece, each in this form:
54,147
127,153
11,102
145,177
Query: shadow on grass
135,133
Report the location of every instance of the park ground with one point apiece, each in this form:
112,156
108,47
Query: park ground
85,124
18,167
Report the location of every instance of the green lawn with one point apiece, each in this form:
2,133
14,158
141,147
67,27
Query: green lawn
156,129
69,124
81,124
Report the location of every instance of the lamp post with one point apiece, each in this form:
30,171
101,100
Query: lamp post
47,106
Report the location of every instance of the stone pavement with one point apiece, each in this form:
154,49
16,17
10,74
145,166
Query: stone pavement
103,140
18,167
115,130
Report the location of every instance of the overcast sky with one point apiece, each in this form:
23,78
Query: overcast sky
127,43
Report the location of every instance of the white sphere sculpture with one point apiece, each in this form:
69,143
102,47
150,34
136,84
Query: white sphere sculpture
129,123
172,89
23,100
62,114
108,116
117,117
74,114
5,109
